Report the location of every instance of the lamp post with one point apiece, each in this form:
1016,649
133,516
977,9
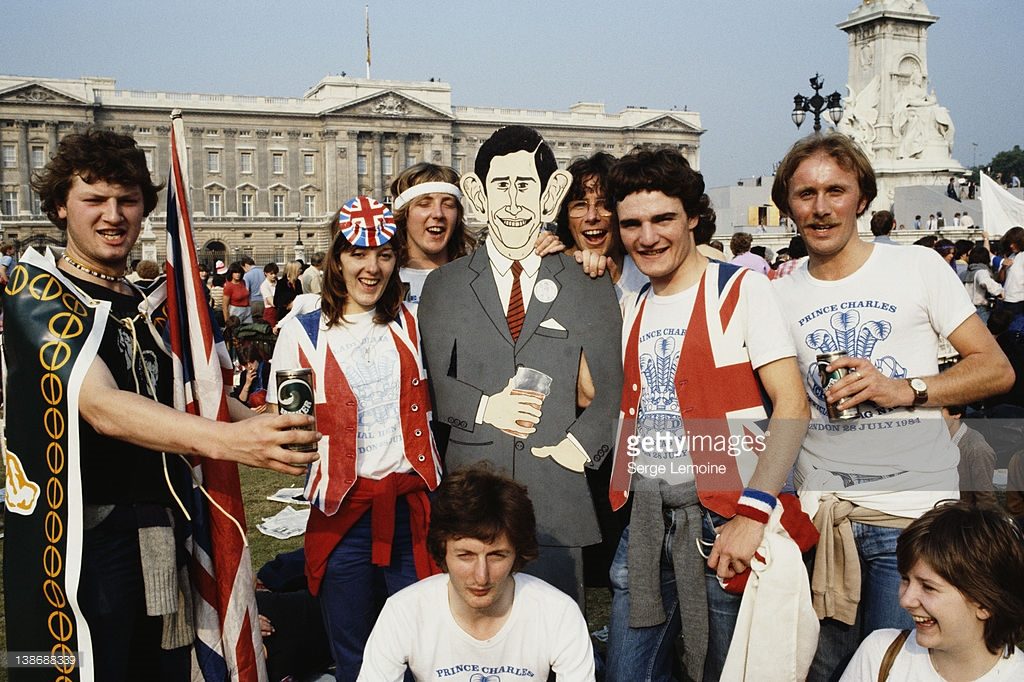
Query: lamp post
817,105
300,249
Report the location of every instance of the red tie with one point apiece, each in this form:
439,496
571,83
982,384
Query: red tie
516,312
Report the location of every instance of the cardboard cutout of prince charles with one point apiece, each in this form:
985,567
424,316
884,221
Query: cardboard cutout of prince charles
507,335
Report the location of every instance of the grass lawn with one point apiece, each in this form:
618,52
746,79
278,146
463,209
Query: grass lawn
256,485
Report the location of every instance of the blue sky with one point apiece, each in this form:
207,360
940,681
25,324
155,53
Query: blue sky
737,62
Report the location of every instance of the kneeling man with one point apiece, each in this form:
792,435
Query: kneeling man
481,617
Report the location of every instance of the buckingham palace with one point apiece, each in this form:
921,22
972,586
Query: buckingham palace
267,172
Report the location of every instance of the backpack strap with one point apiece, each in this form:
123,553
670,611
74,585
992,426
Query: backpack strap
890,655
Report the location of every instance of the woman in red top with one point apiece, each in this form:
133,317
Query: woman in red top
236,296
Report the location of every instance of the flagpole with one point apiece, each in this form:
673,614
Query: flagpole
367,8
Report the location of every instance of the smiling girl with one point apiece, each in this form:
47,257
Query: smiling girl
962,571
366,535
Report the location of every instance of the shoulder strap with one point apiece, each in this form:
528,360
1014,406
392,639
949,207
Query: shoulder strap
890,655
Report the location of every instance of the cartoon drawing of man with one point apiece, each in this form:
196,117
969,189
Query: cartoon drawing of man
507,337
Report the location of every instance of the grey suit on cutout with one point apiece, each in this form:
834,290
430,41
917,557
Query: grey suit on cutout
469,353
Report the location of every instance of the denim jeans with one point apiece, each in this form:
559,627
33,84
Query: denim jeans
353,590
879,600
645,654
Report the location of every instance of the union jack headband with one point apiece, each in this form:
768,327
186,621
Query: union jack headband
366,223
426,188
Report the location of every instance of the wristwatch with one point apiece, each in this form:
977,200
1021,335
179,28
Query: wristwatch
920,390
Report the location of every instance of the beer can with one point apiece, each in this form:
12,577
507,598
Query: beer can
295,396
835,410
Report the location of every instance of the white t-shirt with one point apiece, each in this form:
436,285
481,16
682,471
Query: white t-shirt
892,311
545,631
913,663
1013,286
662,331
981,284
267,289
366,353
414,277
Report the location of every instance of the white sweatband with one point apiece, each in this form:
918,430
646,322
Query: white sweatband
426,188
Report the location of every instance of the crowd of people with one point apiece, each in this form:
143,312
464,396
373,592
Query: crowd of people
755,458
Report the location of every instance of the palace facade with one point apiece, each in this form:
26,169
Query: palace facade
266,172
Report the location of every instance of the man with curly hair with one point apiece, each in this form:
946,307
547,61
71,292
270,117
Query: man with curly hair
92,484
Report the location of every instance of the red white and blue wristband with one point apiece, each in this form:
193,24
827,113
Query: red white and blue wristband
756,504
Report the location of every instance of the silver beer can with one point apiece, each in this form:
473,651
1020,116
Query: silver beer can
827,378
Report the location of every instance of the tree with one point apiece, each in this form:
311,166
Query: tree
1008,164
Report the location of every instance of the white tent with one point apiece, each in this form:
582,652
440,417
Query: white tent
1000,209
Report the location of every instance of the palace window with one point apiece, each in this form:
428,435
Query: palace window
10,203
38,153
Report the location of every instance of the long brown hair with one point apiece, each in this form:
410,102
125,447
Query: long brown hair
461,241
334,293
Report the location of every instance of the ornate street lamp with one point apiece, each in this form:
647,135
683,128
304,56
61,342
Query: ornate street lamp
817,105
300,249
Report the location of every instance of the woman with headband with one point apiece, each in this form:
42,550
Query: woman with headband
368,491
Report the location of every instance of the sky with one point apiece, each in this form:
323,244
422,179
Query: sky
737,62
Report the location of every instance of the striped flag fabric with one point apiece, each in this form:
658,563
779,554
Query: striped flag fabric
227,642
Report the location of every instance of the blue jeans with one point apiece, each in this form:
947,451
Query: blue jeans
353,590
983,312
879,603
645,654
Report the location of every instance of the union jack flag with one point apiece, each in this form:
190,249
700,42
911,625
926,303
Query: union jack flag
227,644
366,222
